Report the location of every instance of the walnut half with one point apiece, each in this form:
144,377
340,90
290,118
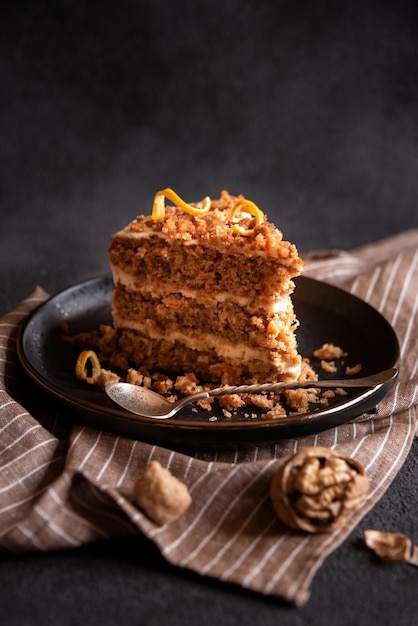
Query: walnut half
317,489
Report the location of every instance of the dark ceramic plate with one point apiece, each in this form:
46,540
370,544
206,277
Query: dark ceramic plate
326,314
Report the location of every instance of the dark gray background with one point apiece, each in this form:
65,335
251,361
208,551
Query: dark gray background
308,108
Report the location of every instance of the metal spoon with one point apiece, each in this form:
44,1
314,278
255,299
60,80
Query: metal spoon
147,403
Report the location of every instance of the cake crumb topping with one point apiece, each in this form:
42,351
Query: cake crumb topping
241,205
233,221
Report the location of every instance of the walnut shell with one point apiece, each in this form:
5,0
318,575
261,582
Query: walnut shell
317,489
392,546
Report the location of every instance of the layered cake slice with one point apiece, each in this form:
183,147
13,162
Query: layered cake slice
206,288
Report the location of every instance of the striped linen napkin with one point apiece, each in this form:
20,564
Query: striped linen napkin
63,484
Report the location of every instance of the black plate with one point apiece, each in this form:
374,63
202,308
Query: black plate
326,314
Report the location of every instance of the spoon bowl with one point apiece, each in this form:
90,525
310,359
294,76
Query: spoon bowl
147,403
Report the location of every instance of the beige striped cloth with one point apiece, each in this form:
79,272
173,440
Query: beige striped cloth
64,484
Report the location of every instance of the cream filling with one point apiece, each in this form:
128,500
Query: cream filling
225,349
278,305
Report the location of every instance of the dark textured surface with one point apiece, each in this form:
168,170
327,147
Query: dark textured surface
308,108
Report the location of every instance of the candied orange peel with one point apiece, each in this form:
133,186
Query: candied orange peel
249,207
88,367
158,209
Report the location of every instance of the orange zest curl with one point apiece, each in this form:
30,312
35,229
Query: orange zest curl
88,361
250,208
158,209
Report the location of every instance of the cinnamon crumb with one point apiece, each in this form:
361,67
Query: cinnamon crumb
187,384
329,351
328,366
106,377
231,401
275,413
206,403
134,377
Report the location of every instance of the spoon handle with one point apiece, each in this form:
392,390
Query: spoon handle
367,381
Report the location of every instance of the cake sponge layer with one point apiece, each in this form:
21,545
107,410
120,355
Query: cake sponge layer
176,356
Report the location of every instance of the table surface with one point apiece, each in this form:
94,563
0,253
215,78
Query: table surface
309,111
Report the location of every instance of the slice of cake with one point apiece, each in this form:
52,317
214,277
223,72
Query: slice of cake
205,288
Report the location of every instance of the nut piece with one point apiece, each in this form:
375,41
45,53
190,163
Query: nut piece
160,494
392,546
318,489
